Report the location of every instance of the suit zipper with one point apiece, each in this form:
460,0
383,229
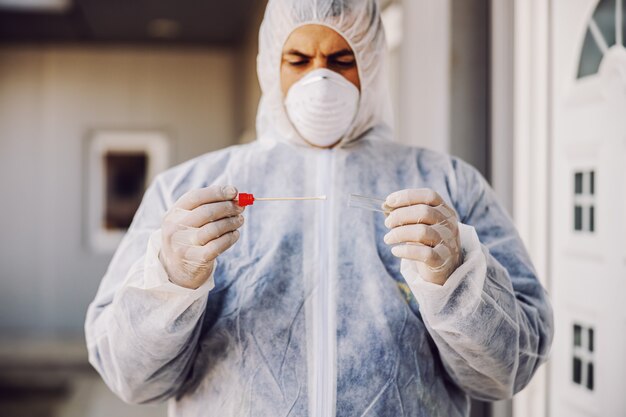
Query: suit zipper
325,302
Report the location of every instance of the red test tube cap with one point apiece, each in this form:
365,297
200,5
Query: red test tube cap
245,200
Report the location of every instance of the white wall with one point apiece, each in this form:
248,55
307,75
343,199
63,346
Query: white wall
50,99
248,88
443,78
424,108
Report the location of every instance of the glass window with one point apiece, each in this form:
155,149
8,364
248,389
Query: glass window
583,356
590,58
590,376
578,183
584,201
578,218
578,330
577,370
125,175
604,17
601,35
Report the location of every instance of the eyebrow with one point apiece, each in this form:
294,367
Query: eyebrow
338,54
297,53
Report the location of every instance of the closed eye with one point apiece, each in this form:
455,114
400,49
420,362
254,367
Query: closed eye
343,63
298,63
296,58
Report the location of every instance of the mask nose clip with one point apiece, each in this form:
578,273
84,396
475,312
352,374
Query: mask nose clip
320,77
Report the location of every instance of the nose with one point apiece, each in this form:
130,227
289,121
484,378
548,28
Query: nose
320,62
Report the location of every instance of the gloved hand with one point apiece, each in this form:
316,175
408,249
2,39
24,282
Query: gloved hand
425,230
202,224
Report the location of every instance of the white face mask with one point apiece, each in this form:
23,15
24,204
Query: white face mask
322,107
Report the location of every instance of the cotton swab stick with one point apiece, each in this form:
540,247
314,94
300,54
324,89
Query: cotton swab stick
245,199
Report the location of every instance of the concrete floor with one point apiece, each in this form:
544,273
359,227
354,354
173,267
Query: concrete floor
51,378
91,398
67,394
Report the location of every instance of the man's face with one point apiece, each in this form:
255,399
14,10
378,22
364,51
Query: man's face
313,47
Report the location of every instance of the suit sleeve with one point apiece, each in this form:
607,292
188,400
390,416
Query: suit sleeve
492,320
141,329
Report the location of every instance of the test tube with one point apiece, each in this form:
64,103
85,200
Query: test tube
368,203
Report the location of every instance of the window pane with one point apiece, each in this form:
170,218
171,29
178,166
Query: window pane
590,340
605,18
592,218
577,368
578,335
578,183
592,182
578,218
590,375
125,175
590,57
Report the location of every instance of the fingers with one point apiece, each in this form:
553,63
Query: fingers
212,212
213,194
412,197
200,226
193,236
420,213
420,253
416,233
219,228
214,248
423,229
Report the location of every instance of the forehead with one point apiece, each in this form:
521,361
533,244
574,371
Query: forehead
310,39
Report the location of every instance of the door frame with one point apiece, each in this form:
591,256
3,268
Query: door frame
521,131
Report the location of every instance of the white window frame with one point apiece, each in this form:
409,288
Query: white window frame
577,396
584,354
583,244
585,200
154,144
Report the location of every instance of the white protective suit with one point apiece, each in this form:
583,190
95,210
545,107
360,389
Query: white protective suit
309,314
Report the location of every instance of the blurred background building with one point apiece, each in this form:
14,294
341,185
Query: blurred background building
96,96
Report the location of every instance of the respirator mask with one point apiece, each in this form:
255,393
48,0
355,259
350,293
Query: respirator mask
322,107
